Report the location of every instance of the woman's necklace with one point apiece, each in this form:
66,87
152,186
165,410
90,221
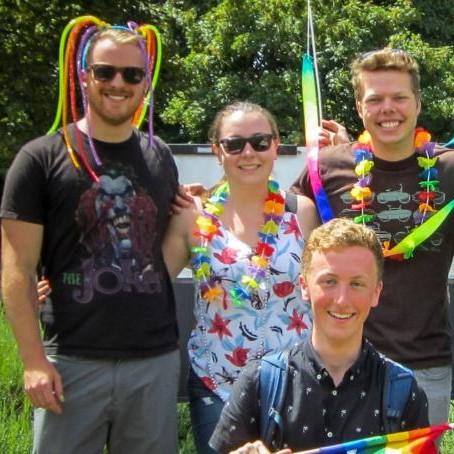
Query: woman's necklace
363,195
208,227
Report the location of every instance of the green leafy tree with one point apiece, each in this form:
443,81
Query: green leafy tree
251,50
355,27
29,59
219,51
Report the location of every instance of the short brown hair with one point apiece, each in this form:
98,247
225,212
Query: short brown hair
240,106
118,36
341,233
385,59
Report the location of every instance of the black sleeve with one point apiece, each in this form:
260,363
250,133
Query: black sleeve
239,421
167,157
24,191
302,185
415,415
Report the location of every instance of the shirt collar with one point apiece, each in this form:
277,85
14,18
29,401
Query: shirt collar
318,369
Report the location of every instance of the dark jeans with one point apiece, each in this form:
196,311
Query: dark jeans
205,407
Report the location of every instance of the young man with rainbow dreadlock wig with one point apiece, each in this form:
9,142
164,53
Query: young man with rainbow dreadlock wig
90,204
400,184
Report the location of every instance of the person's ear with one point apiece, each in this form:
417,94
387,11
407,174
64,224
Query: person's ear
278,145
84,78
359,109
217,152
376,297
304,288
418,106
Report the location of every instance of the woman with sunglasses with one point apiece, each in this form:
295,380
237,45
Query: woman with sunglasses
244,244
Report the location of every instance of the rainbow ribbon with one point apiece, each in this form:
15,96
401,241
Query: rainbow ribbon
311,126
420,233
418,441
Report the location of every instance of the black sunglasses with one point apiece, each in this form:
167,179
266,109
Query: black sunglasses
105,73
235,145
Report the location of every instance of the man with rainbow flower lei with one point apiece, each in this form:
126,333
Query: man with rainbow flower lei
399,183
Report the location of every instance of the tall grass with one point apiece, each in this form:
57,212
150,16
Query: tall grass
15,410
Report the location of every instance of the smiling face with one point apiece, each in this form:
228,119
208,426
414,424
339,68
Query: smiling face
389,109
342,285
249,166
113,103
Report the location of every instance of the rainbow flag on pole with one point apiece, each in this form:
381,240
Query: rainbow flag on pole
418,441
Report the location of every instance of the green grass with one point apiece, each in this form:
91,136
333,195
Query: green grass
15,411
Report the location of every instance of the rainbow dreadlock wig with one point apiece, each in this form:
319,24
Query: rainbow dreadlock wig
75,43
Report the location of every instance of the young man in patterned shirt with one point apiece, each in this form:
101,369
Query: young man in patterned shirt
335,384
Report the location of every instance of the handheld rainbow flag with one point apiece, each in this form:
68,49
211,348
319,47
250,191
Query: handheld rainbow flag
418,441
311,100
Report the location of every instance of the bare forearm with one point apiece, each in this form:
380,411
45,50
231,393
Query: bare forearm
19,297
21,246
42,382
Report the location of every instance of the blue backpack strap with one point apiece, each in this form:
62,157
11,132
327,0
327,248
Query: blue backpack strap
272,386
396,392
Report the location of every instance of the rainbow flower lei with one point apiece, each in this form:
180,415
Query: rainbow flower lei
208,227
363,195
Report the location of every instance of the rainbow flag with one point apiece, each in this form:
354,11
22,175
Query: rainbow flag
418,441
311,127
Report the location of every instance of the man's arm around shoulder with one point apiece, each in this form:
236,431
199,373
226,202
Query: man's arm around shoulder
21,246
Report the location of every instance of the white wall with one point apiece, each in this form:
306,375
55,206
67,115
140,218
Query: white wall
203,168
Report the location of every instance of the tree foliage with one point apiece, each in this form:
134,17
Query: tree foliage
219,51
238,50
31,31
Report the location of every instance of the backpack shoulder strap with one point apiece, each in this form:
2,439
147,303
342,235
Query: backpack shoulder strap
396,392
272,386
291,202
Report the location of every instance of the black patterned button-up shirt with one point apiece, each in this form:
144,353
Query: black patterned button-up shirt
316,412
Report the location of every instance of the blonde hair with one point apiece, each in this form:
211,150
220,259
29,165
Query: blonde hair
118,36
386,59
341,233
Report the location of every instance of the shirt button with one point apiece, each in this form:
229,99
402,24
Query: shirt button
334,393
329,435
319,377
